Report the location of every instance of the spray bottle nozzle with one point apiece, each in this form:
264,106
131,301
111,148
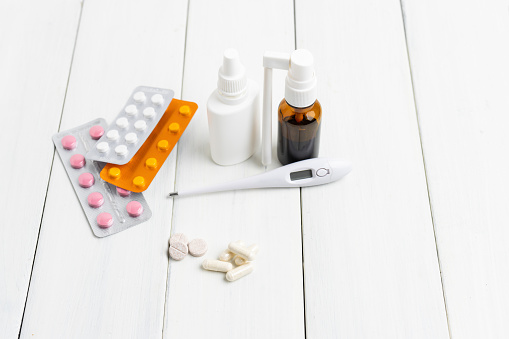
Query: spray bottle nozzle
301,68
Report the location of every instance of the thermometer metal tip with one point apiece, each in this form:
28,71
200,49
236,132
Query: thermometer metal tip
172,194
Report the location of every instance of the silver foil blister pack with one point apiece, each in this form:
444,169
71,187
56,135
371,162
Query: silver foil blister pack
109,209
132,126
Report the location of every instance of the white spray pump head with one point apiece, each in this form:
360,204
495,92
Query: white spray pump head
232,79
300,89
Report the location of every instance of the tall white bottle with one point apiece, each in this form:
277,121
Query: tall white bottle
233,111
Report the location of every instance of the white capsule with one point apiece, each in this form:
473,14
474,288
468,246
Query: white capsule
112,135
131,138
226,255
248,253
149,112
102,147
216,265
131,110
239,272
157,99
239,260
139,97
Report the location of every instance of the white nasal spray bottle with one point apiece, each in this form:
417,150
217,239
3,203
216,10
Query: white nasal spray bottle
299,113
233,112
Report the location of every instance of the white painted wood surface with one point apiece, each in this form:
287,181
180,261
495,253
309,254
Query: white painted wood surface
371,268
83,286
379,256
36,45
461,78
270,302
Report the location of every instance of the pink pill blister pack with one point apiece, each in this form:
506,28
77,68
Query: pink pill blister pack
132,126
109,209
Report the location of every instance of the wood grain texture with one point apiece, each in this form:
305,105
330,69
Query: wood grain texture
37,40
83,286
459,55
371,267
269,302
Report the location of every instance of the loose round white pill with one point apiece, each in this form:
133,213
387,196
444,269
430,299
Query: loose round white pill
226,255
140,125
157,99
102,147
131,110
112,135
216,265
139,97
131,138
149,112
239,272
178,237
122,122
121,150
197,247
178,250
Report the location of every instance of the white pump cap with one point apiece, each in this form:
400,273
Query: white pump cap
232,79
300,89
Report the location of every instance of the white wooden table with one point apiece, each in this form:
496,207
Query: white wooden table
414,243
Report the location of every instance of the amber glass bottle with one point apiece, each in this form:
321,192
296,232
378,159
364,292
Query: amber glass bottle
298,132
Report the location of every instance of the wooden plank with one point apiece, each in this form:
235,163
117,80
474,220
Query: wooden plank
459,57
83,286
37,45
371,268
269,302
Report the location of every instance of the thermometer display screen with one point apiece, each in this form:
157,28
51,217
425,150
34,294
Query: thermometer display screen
306,174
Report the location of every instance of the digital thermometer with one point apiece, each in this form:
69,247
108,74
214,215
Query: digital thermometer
311,172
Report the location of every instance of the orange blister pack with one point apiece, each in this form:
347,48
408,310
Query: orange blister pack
139,172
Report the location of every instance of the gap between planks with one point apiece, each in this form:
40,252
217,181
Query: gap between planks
424,164
300,195
168,273
51,167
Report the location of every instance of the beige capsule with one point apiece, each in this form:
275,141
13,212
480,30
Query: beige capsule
227,255
248,253
239,272
216,265
239,260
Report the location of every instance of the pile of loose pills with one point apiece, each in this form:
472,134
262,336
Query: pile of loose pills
242,255
180,247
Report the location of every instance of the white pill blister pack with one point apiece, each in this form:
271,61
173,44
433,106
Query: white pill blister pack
132,126
109,209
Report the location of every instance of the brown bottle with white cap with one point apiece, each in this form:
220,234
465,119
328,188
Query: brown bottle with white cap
299,113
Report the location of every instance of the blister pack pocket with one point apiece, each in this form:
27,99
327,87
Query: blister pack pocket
109,209
138,173
132,126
